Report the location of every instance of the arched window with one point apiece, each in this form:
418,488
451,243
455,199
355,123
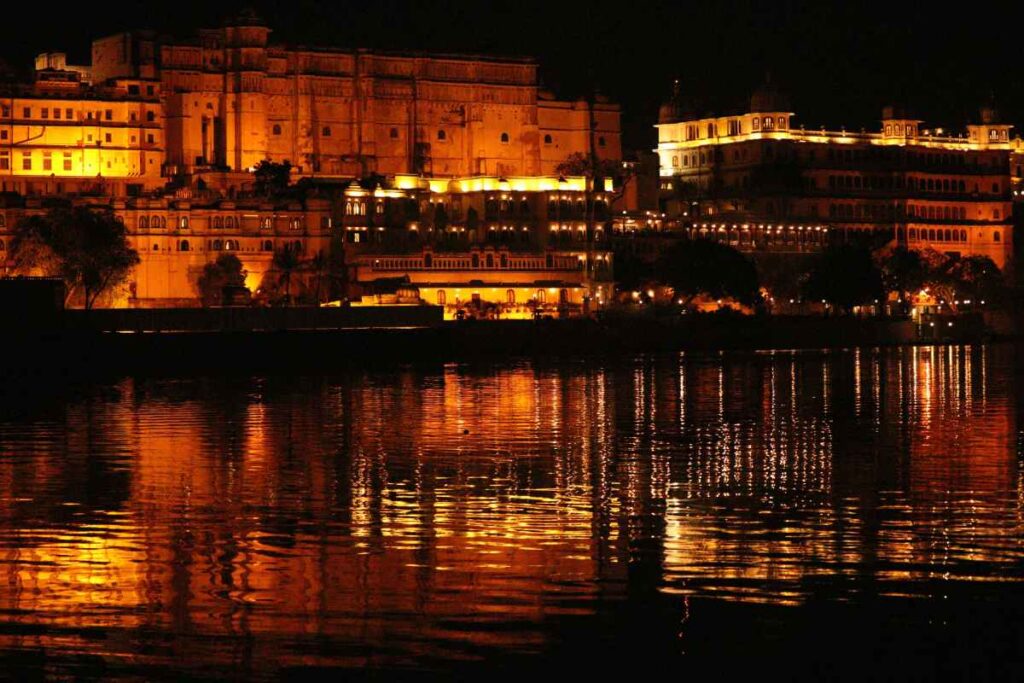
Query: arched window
442,297
949,235
963,235
541,296
475,260
218,222
156,247
996,237
913,233
268,245
277,129
183,245
510,296
441,135
547,139
490,260
348,208
2,246
229,222
183,222
144,222
218,245
504,138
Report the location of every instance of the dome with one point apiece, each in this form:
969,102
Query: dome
677,108
768,98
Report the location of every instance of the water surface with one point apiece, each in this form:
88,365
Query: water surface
848,513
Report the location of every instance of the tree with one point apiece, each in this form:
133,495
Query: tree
978,278
704,267
226,271
286,261
87,248
272,178
579,164
844,275
904,272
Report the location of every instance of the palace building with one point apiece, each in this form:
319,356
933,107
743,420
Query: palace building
465,206
763,183
500,247
233,98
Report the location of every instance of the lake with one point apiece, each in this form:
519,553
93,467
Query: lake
830,514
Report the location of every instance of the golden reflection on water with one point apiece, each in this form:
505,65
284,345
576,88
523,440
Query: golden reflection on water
440,513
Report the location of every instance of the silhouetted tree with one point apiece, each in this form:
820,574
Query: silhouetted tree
286,261
904,272
87,248
226,271
704,267
272,178
845,276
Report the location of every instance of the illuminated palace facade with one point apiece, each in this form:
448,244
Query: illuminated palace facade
509,247
761,183
165,133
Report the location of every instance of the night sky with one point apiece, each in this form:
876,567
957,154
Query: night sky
840,62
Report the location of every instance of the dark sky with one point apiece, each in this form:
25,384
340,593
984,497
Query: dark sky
840,62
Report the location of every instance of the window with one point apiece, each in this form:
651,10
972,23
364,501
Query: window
996,237
183,245
277,129
5,112
5,161
442,297
109,115
27,112
394,133
151,116
3,134
600,141
266,223
107,137
133,116
150,138
441,135
268,245
69,113
26,162
149,90
56,112
44,113
144,222
547,140
133,90
325,222
183,222
218,222
47,161
327,131
504,138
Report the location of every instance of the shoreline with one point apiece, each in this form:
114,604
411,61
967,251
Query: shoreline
86,351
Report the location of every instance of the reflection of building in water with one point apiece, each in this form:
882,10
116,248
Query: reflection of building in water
416,509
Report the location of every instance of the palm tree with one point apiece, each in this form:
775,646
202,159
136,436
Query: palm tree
286,261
